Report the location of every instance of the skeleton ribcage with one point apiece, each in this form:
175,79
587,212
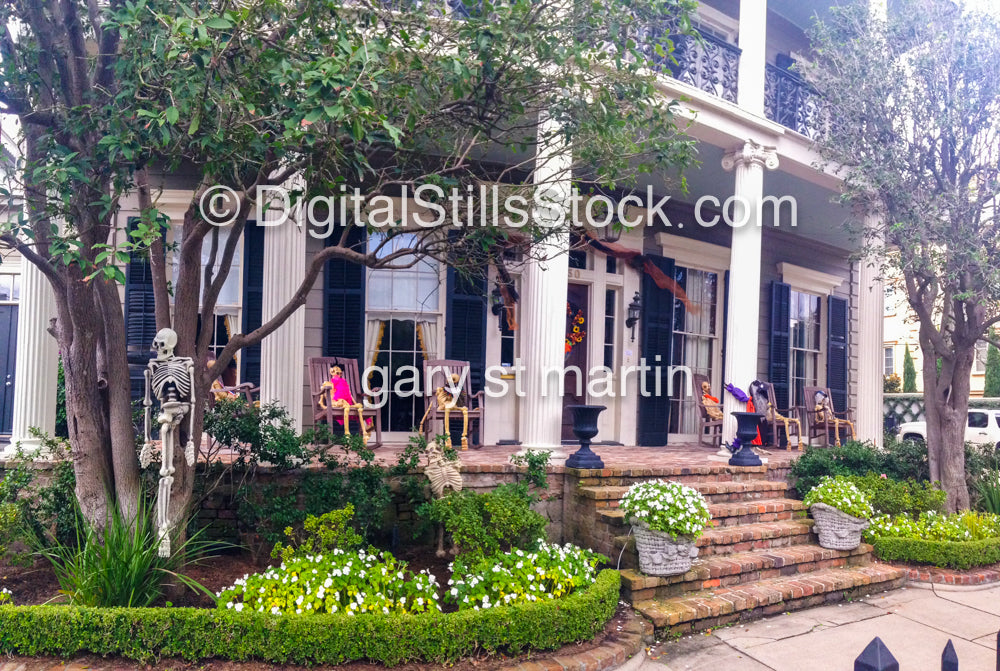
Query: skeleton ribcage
171,380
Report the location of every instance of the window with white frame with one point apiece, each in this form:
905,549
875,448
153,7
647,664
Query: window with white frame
402,328
982,350
10,288
806,343
696,340
889,360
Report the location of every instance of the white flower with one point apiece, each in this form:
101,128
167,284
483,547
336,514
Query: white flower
238,607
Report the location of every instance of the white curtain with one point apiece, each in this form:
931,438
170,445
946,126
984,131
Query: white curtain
374,339
427,330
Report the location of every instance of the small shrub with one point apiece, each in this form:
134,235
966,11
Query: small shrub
488,523
950,554
963,526
337,582
840,493
894,497
988,489
536,462
892,384
12,532
118,565
667,506
550,572
45,509
5,595
320,535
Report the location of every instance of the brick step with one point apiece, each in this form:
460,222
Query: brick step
741,568
728,514
734,539
687,474
608,496
697,611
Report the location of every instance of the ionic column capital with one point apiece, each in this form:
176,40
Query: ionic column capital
749,154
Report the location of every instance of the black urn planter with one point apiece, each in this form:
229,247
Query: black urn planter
747,424
585,428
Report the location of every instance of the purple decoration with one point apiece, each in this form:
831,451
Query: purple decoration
737,393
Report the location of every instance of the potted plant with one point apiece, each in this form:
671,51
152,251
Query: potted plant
841,511
667,518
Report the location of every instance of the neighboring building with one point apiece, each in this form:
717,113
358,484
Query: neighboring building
901,328
781,303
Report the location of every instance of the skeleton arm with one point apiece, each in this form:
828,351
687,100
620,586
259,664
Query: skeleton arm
145,456
189,448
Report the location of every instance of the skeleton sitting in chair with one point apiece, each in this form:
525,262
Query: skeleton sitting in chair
760,400
450,398
824,413
711,404
339,396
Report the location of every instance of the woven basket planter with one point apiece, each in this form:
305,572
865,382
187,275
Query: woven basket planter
659,554
836,529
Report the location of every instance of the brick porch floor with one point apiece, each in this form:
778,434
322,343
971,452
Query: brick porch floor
490,457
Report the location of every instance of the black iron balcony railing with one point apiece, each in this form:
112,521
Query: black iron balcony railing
709,65
791,102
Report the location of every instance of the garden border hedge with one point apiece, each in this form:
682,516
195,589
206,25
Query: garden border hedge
948,554
146,634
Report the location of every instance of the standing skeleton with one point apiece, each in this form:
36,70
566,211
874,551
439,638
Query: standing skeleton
171,379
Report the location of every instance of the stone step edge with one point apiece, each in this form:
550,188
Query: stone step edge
767,530
703,605
616,516
712,567
632,640
616,492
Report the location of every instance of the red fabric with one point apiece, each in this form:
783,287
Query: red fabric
750,408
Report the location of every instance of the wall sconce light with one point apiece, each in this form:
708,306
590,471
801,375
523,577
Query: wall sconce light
634,312
496,305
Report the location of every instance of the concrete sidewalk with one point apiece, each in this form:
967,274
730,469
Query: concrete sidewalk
914,622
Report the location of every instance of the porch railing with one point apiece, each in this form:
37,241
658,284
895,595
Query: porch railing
791,102
709,65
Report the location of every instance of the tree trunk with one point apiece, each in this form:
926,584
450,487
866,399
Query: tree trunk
946,401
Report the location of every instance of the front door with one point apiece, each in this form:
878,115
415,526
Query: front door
657,339
8,345
577,342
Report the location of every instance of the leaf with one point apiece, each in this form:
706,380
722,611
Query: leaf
172,114
219,23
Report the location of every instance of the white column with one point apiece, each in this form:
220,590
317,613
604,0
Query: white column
282,354
871,300
36,367
753,56
543,306
743,318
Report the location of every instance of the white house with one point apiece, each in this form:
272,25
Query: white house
776,299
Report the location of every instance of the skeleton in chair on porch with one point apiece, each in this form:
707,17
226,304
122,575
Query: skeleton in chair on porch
340,397
758,393
171,380
446,399
711,404
824,413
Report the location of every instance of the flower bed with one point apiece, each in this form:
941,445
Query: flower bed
148,633
961,541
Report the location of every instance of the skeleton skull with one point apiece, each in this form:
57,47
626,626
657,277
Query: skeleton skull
164,343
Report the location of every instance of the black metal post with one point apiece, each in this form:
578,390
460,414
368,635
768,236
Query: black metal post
949,659
876,657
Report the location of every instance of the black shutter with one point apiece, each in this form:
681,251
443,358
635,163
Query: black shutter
836,352
657,339
779,369
465,326
253,298
140,314
344,303
725,322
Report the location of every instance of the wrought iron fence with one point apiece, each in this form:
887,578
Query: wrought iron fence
709,64
876,657
788,100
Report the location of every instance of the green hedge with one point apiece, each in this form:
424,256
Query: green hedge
145,634
950,554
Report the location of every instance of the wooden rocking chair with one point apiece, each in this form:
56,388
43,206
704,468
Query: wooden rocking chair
824,418
319,373
437,373
709,427
781,421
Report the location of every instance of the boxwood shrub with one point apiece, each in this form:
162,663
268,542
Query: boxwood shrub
949,554
146,634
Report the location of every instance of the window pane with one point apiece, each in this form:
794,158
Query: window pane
16,293
6,284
